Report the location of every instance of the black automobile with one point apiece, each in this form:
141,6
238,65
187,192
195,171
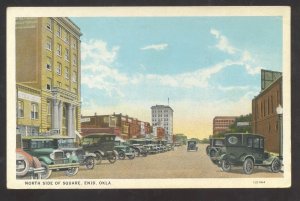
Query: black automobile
214,146
124,150
192,145
246,150
101,144
139,149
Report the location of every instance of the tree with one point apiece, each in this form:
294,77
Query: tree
234,128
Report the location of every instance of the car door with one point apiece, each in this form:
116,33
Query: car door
258,150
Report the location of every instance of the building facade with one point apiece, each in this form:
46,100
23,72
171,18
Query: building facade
266,121
162,116
221,123
48,75
128,127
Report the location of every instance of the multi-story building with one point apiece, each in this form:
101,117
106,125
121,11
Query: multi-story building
221,123
48,75
162,116
126,127
266,121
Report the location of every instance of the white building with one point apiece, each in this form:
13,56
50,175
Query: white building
162,116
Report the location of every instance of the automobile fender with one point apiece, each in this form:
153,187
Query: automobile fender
101,152
243,157
73,159
116,153
270,160
46,160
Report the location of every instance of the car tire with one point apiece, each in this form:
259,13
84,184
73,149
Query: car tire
72,171
131,156
24,171
98,158
276,165
248,166
225,165
121,155
47,172
137,153
112,158
89,162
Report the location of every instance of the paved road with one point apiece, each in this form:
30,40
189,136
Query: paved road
173,164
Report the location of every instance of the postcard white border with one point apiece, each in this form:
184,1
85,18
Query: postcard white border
283,11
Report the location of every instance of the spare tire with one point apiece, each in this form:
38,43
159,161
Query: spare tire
23,165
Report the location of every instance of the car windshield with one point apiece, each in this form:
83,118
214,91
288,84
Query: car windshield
43,144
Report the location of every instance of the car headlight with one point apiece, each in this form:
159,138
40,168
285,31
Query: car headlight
52,156
68,155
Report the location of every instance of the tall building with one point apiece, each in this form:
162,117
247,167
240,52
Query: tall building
48,75
162,116
266,121
221,123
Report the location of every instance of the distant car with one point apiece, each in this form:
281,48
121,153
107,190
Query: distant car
192,145
139,149
101,144
124,150
46,149
27,165
245,150
152,149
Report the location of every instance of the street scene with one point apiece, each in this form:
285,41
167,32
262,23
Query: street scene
149,97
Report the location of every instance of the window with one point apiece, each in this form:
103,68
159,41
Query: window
20,111
67,37
49,24
261,143
256,143
58,69
49,81
74,45
59,29
58,50
67,74
74,77
249,142
74,60
49,44
49,63
34,111
67,54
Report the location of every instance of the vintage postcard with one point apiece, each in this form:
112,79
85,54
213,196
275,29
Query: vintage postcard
148,97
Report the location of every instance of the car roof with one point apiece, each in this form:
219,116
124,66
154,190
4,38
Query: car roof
244,134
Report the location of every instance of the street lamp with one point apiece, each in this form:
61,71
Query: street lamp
279,111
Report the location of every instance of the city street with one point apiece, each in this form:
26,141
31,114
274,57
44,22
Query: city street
173,164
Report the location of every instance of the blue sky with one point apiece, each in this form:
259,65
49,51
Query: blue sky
207,66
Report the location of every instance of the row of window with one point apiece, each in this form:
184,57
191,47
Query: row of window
160,115
160,111
59,51
61,32
34,114
67,71
267,106
58,84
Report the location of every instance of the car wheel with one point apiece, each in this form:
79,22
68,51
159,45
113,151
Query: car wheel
276,165
248,166
47,173
112,158
137,153
131,156
98,158
72,171
21,172
122,155
89,162
225,165
144,154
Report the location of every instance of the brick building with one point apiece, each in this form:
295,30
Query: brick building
221,123
128,127
48,75
266,121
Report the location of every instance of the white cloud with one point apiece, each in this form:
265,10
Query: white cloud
223,43
155,47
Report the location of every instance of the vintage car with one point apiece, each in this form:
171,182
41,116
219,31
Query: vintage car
46,149
214,146
124,150
192,145
101,144
27,165
246,150
152,149
139,149
68,145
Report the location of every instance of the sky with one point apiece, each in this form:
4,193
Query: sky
205,66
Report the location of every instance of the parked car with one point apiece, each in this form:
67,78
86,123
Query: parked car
246,150
124,150
28,165
101,144
46,149
214,146
84,158
152,149
139,149
192,145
